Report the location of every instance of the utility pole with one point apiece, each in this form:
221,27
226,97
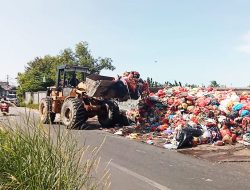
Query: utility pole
7,85
7,79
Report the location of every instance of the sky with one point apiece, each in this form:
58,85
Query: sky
191,41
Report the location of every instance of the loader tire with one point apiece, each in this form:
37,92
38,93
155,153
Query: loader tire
45,109
73,114
109,114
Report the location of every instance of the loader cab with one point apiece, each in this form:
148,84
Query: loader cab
69,76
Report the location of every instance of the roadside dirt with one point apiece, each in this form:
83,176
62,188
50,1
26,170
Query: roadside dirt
227,153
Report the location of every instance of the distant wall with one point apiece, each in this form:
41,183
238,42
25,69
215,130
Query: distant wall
28,97
128,105
34,97
42,94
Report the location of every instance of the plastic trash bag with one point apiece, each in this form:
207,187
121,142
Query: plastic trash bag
245,113
246,106
235,98
186,137
237,107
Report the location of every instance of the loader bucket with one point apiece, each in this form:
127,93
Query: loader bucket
106,87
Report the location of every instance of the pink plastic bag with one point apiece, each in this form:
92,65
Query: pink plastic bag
246,106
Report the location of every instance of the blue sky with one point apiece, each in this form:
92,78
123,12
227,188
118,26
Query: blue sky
190,41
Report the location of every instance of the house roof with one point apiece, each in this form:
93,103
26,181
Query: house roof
5,86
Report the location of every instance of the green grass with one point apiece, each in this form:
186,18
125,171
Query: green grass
30,105
33,106
22,104
31,159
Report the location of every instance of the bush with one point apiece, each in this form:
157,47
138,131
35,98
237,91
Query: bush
29,105
31,159
22,104
33,106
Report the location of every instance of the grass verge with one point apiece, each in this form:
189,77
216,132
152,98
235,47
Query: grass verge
30,105
30,158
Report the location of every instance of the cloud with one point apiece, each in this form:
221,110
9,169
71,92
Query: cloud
245,48
246,37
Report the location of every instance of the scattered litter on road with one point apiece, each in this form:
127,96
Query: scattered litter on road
209,180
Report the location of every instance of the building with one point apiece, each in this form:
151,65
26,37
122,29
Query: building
6,89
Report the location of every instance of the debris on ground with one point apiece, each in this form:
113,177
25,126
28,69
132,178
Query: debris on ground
180,117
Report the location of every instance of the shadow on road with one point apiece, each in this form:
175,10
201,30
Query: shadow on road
233,153
8,115
89,125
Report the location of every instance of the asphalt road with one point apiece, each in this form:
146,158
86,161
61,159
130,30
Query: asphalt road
138,166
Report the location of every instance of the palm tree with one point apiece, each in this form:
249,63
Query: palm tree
214,83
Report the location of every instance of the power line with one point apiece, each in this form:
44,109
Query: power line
9,80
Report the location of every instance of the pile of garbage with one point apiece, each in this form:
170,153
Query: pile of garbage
181,117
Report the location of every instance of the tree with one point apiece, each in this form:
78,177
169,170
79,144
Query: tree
191,85
41,72
214,83
83,57
169,84
152,83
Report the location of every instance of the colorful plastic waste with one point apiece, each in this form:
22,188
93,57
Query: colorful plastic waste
181,117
